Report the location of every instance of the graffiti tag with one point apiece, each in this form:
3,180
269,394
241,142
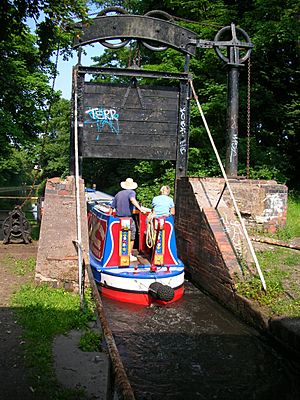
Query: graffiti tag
274,205
103,117
182,130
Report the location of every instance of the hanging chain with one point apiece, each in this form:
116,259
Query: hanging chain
138,55
134,58
129,57
248,117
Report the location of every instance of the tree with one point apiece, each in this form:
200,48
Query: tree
54,149
26,67
273,26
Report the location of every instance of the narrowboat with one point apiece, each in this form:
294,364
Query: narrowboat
157,276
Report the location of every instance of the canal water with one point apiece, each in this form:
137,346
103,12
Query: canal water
195,349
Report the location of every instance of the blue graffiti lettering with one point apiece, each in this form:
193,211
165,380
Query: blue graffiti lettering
102,117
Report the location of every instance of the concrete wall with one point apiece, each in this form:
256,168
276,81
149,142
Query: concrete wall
57,262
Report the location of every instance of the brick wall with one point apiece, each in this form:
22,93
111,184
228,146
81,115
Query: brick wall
57,262
263,204
202,243
205,243
211,242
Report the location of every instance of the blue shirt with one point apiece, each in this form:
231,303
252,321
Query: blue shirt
162,205
122,203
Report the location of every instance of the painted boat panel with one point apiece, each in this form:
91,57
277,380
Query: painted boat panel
131,283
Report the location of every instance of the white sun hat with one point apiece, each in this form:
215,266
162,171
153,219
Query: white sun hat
129,184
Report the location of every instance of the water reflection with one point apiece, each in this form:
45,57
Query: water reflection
194,349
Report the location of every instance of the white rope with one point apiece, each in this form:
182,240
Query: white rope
230,191
77,189
150,231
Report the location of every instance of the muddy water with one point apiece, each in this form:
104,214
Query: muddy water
194,349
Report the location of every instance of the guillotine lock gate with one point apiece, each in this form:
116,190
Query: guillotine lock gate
113,120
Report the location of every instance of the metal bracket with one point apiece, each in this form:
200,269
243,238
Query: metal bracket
16,228
155,30
133,84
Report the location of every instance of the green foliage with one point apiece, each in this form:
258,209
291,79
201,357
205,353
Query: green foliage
279,267
44,312
150,176
55,147
55,22
19,266
16,168
26,95
25,92
287,307
252,289
274,145
292,228
90,341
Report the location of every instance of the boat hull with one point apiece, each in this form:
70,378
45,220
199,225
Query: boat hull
159,281
131,284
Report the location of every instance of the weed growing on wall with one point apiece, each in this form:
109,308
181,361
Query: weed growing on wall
280,269
90,341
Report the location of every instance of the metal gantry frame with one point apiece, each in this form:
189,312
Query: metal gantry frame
157,31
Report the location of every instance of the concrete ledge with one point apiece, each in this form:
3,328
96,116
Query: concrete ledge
287,332
284,330
57,260
76,369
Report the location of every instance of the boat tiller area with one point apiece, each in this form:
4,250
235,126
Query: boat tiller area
158,274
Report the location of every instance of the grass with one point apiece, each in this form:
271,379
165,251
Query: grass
281,270
90,341
292,228
20,267
44,313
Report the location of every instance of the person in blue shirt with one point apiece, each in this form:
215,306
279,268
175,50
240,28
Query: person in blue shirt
163,205
124,203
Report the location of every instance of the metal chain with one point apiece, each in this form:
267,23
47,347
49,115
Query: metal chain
248,117
137,56
129,57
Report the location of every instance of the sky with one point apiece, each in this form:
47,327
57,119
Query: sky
63,81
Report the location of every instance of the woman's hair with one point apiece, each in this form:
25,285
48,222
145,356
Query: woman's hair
165,190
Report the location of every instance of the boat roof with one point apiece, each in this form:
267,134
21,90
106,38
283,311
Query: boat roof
96,195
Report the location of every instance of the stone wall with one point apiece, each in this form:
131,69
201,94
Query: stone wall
263,204
57,261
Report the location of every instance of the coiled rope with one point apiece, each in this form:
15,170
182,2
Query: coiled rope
150,230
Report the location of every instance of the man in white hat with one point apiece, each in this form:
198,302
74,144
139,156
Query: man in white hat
124,202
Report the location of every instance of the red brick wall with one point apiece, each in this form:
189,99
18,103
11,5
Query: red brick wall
202,243
57,262
204,240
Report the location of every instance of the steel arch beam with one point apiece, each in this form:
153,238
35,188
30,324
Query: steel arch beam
141,27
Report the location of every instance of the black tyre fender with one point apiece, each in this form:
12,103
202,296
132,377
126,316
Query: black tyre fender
165,293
